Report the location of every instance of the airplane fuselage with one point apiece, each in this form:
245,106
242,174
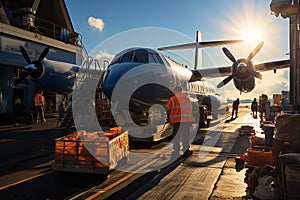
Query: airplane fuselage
150,79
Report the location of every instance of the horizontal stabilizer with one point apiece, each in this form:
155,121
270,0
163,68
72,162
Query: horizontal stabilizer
201,45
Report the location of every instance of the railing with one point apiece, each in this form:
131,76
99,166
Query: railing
41,26
26,19
55,31
58,32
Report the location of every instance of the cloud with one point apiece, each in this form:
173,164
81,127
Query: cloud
104,54
104,58
96,23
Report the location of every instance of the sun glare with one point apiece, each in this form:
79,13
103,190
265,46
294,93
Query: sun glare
252,35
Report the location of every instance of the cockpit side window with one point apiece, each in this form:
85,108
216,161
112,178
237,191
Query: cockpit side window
126,57
165,62
154,58
115,60
151,58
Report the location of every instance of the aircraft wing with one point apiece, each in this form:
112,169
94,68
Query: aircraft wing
272,65
198,74
201,45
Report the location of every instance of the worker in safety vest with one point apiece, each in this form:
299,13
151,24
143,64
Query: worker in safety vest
180,116
39,104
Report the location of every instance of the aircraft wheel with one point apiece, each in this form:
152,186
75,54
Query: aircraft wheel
204,121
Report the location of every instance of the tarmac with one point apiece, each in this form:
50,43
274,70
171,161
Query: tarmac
215,176
212,174
23,124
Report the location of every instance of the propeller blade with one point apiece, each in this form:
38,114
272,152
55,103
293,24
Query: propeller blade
256,74
43,54
19,80
225,81
229,55
255,51
25,55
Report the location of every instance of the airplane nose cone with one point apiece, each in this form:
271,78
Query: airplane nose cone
114,74
109,83
242,67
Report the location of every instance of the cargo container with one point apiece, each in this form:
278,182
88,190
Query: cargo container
258,157
277,99
93,154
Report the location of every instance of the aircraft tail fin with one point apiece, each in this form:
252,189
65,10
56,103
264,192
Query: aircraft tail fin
198,40
199,44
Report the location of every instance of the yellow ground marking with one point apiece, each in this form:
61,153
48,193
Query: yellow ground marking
117,182
24,180
110,186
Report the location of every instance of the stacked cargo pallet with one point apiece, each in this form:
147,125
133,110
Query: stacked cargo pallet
96,152
260,151
274,161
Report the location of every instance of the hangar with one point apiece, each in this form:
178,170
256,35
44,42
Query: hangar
33,24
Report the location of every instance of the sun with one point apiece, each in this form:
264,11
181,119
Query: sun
252,35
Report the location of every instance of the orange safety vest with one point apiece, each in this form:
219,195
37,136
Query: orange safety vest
180,109
38,100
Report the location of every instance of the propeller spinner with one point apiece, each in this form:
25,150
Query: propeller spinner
34,68
241,68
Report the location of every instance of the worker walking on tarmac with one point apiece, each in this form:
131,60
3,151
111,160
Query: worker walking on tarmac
235,108
39,104
254,108
180,116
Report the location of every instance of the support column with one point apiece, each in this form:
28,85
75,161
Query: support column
295,59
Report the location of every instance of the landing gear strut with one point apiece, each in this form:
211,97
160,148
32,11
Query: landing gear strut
203,121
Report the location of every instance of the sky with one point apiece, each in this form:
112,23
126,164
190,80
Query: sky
99,21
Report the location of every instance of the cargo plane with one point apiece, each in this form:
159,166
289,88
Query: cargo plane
243,73
60,77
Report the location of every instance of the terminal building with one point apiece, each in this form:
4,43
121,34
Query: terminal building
33,24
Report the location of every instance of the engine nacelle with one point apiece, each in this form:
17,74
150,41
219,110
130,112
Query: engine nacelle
40,71
245,85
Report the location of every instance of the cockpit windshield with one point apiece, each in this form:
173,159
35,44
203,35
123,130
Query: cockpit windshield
139,55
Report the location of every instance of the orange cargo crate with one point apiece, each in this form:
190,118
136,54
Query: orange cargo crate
72,155
259,157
